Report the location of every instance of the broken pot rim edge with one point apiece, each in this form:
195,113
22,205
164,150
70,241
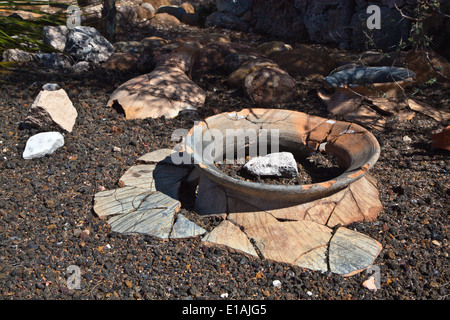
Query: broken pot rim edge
329,186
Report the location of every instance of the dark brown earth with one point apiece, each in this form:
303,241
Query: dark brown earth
46,204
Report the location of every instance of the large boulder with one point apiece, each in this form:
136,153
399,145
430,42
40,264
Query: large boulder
163,92
86,43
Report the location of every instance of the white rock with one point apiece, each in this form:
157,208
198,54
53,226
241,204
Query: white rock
52,107
274,164
224,295
42,144
276,283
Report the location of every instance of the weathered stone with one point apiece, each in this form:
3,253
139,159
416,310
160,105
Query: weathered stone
178,58
165,19
86,43
271,47
55,36
188,7
228,234
160,177
17,55
144,13
351,252
120,62
157,3
184,228
211,57
237,77
235,60
52,108
42,144
154,215
269,85
163,92
53,60
80,67
280,164
283,241
156,156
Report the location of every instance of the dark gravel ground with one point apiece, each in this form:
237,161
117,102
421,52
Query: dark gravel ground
46,204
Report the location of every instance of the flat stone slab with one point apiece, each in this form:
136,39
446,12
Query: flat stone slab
155,177
185,228
351,252
230,235
154,216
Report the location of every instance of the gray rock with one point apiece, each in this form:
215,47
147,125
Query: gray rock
53,60
43,144
50,87
236,7
86,43
280,164
80,67
55,36
17,55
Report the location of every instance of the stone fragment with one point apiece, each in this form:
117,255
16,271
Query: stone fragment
17,55
280,164
269,85
53,60
156,156
351,252
271,47
86,43
235,60
160,177
163,92
228,234
153,216
237,77
55,36
120,62
185,228
281,241
43,144
188,7
119,201
80,67
437,114
165,19
192,19
52,108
